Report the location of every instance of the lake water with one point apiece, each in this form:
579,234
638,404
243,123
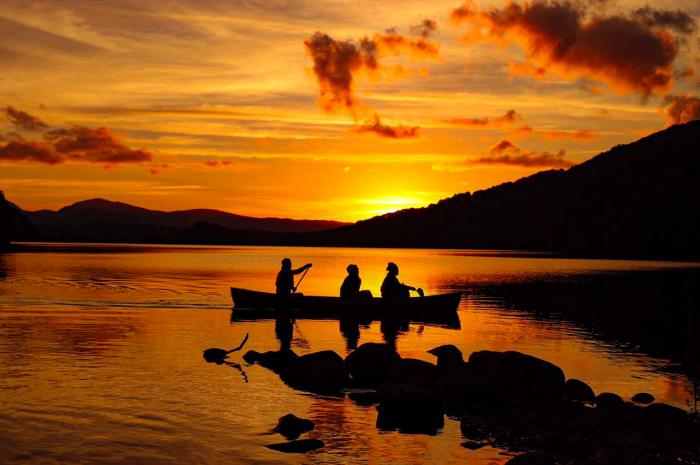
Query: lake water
101,350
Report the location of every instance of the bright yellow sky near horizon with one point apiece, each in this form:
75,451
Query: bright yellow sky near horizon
201,82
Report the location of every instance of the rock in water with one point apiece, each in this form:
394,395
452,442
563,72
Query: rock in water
643,398
410,409
609,401
320,372
517,376
413,371
577,390
299,446
472,445
532,458
291,427
449,357
665,412
272,360
371,362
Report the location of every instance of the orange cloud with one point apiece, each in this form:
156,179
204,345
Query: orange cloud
507,153
510,117
78,144
337,63
631,53
582,135
682,109
24,119
398,132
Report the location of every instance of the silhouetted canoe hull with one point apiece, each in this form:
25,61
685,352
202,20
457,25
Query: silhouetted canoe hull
437,309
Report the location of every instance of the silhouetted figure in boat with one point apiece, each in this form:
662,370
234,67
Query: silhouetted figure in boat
285,278
350,289
392,289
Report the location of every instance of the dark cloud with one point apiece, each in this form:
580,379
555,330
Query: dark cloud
24,120
507,153
78,144
96,146
398,132
629,52
581,135
682,109
510,117
32,151
677,20
217,163
336,64
425,29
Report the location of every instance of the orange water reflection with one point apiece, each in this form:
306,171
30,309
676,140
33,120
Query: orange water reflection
100,352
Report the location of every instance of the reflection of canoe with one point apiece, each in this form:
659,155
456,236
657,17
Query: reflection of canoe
440,308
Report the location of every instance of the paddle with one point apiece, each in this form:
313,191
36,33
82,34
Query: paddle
300,280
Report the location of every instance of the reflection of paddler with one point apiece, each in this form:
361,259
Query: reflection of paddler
350,289
392,288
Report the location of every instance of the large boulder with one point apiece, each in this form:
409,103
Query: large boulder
370,363
664,412
643,398
413,371
322,372
517,376
577,390
449,357
291,426
609,401
410,409
272,360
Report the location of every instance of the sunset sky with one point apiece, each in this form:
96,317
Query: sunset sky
326,109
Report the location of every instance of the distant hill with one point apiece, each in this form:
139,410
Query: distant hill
636,200
14,225
640,200
99,220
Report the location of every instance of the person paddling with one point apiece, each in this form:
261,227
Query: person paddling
285,278
392,288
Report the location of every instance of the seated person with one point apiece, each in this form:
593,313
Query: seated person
350,289
392,288
285,278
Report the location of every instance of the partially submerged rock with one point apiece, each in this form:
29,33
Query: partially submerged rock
472,445
299,446
643,398
609,401
410,409
370,363
664,412
321,372
577,390
449,357
413,371
291,427
272,360
517,376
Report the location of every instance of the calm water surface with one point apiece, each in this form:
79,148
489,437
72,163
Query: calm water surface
100,351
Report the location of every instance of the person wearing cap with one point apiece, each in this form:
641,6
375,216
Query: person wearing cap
392,288
285,278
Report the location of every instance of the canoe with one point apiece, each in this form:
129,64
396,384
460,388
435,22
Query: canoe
435,309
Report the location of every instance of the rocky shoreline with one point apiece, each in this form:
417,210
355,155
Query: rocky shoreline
508,400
